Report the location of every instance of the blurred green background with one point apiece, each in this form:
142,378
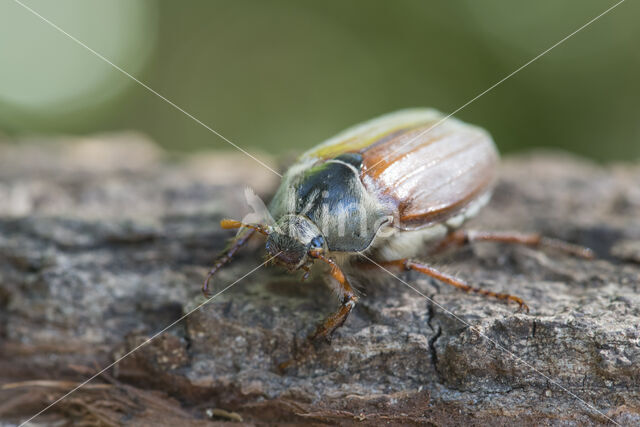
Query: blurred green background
275,76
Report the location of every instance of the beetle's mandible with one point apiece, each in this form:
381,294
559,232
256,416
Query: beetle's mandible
384,189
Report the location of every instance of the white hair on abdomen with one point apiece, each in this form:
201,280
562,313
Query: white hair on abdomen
392,244
403,244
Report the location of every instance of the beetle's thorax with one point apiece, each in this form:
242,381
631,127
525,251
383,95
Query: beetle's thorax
291,239
330,194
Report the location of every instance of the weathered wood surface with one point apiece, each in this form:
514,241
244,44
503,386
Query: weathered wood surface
104,241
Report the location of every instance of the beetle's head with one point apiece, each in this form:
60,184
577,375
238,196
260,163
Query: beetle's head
292,239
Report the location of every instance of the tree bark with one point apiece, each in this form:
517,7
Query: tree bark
106,241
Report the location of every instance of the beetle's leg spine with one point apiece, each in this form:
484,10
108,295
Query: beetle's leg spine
225,257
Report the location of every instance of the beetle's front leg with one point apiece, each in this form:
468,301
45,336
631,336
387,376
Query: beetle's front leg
226,256
331,323
348,299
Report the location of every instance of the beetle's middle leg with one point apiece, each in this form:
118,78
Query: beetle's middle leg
409,264
464,237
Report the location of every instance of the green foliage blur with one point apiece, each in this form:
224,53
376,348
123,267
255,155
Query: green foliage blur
282,75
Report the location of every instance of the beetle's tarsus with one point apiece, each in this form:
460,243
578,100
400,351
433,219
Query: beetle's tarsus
464,237
307,272
570,248
205,285
333,322
523,307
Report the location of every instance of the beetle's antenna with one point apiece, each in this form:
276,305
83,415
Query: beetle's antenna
228,224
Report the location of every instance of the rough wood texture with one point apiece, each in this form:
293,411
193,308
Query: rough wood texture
103,242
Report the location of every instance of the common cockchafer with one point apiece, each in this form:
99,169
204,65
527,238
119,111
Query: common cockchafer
379,192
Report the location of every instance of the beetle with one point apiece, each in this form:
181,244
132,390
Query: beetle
380,191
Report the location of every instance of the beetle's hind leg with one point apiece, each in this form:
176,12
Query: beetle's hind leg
239,241
408,264
464,237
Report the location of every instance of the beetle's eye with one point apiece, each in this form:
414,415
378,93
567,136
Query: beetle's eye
317,242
